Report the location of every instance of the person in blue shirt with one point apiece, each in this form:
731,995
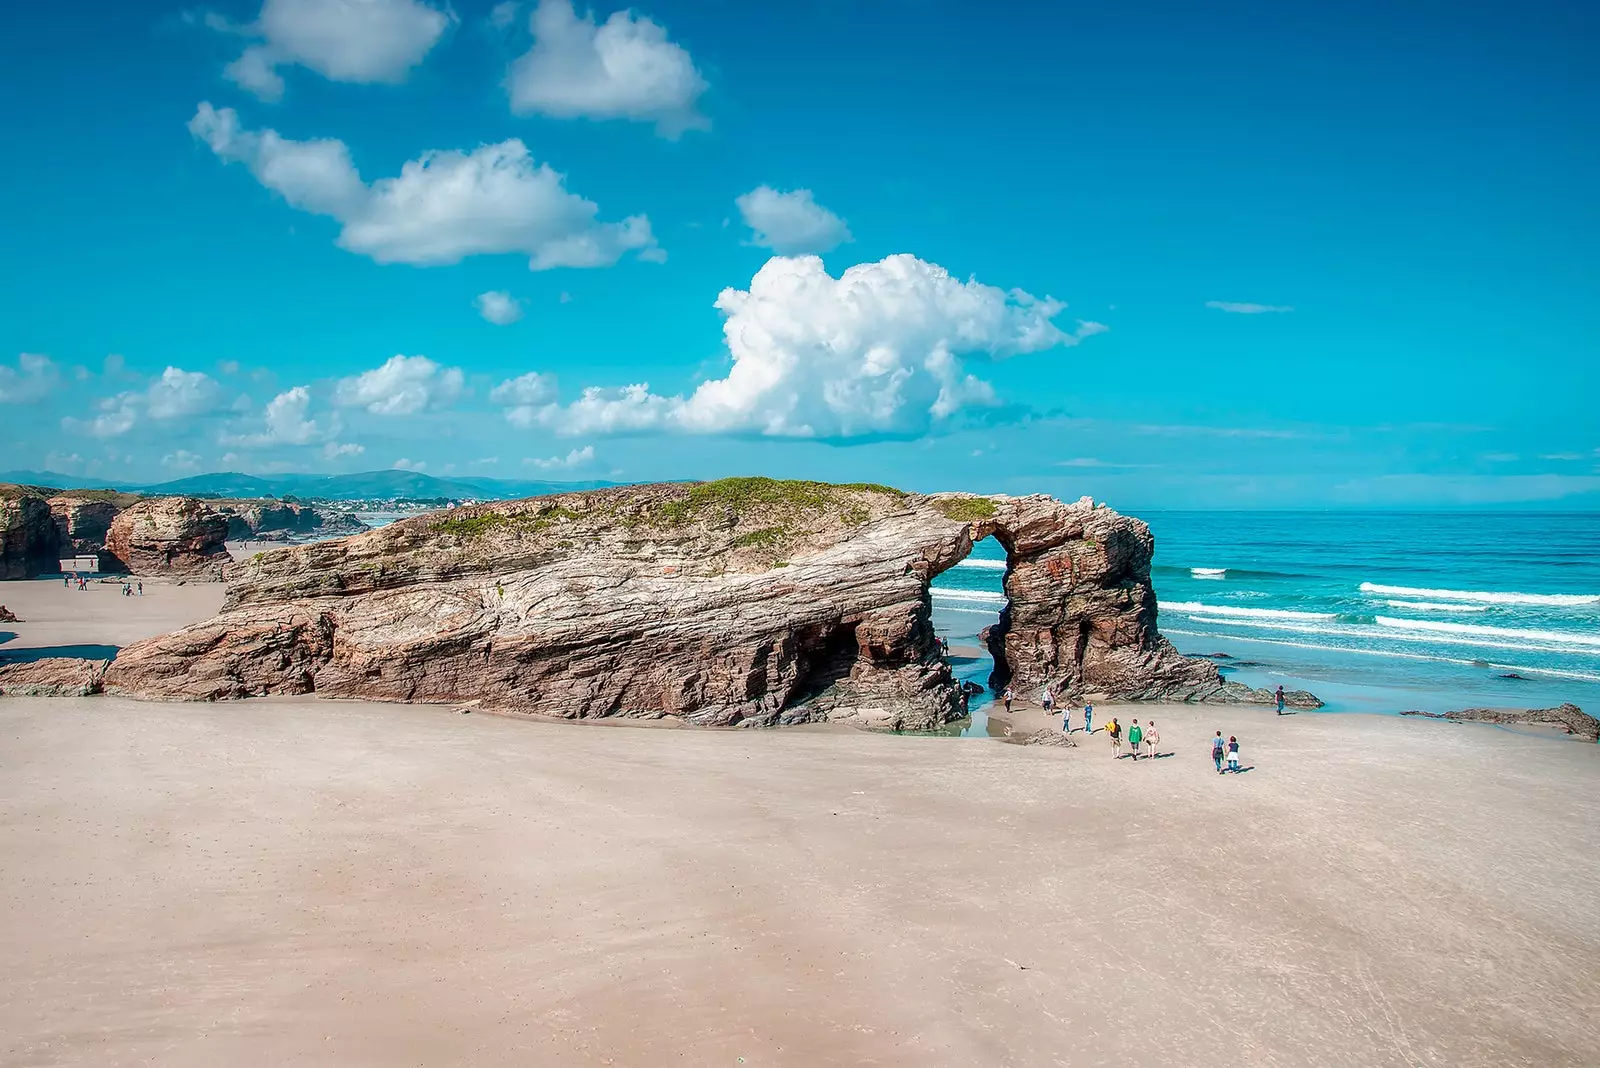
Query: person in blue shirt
1088,719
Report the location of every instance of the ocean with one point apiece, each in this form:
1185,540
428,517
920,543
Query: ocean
1372,612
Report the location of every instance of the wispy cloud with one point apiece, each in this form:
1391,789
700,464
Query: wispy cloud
1246,308
1089,461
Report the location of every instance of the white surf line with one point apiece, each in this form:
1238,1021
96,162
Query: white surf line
1585,676
1435,606
1434,626
1243,613
987,565
1373,634
1483,596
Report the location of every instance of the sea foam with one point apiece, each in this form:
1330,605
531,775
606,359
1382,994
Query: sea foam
968,595
1484,596
1208,572
987,565
1433,626
1435,606
1243,613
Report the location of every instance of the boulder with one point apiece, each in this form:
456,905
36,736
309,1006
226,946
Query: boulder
745,601
169,536
57,676
7,615
28,539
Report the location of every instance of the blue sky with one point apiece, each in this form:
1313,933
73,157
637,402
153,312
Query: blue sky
1171,255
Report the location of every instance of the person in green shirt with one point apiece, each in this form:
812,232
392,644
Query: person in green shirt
1135,737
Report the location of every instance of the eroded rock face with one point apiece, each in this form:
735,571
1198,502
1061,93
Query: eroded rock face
27,537
252,519
1567,716
82,525
169,536
52,677
745,601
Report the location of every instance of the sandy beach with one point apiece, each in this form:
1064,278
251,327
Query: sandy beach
315,882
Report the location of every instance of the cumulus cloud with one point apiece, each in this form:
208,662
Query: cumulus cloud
361,41
503,14
445,205
575,458
287,420
175,394
403,464
624,68
32,378
499,307
791,222
1238,308
875,352
402,385
333,450
181,460
525,397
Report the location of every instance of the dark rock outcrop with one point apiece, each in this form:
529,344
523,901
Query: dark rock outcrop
1568,716
253,519
28,539
7,615
169,536
82,523
746,601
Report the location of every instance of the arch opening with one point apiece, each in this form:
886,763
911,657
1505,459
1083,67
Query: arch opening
970,609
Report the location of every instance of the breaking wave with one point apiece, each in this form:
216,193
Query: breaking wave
1243,613
978,596
1483,596
1435,606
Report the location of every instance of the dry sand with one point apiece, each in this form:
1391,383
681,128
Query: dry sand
343,883
65,619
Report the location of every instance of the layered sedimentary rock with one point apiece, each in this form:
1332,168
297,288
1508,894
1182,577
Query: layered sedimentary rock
61,676
82,523
251,519
28,539
742,601
169,536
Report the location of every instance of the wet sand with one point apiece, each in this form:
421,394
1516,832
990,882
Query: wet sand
95,621
316,882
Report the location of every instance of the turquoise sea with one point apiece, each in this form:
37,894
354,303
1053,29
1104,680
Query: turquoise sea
1372,612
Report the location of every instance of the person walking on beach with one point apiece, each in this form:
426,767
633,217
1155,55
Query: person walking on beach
1135,739
1233,753
1114,729
1151,738
1279,697
1048,700
141,587
1007,698
1218,748
1088,719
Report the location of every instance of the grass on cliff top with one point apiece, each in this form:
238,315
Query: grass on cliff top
743,495
966,509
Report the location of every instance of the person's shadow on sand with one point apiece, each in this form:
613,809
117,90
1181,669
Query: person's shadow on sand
1241,771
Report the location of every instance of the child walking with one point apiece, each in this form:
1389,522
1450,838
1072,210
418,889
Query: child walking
1233,753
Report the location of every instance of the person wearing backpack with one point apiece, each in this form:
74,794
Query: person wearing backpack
1218,748
1135,739
1114,729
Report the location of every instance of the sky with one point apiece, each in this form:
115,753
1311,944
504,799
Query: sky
1170,255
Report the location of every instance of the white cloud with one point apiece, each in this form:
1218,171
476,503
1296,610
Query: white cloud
575,458
403,464
333,450
444,206
1246,309
525,397
502,14
362,41
33,378
175,394
791,222
499,307
624,68
875,352
181,460
402,385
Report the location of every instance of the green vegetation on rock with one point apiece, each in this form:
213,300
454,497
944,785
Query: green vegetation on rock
476,526
966,509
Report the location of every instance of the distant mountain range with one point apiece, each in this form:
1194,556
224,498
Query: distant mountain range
370,485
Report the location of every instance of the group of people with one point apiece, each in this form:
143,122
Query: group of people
1142,739
128,588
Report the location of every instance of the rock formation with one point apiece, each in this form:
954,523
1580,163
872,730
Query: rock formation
58,676
82,522
27,535
169,536
742,601
252,519
1567,716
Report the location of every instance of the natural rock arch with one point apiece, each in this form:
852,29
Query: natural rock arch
743,601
